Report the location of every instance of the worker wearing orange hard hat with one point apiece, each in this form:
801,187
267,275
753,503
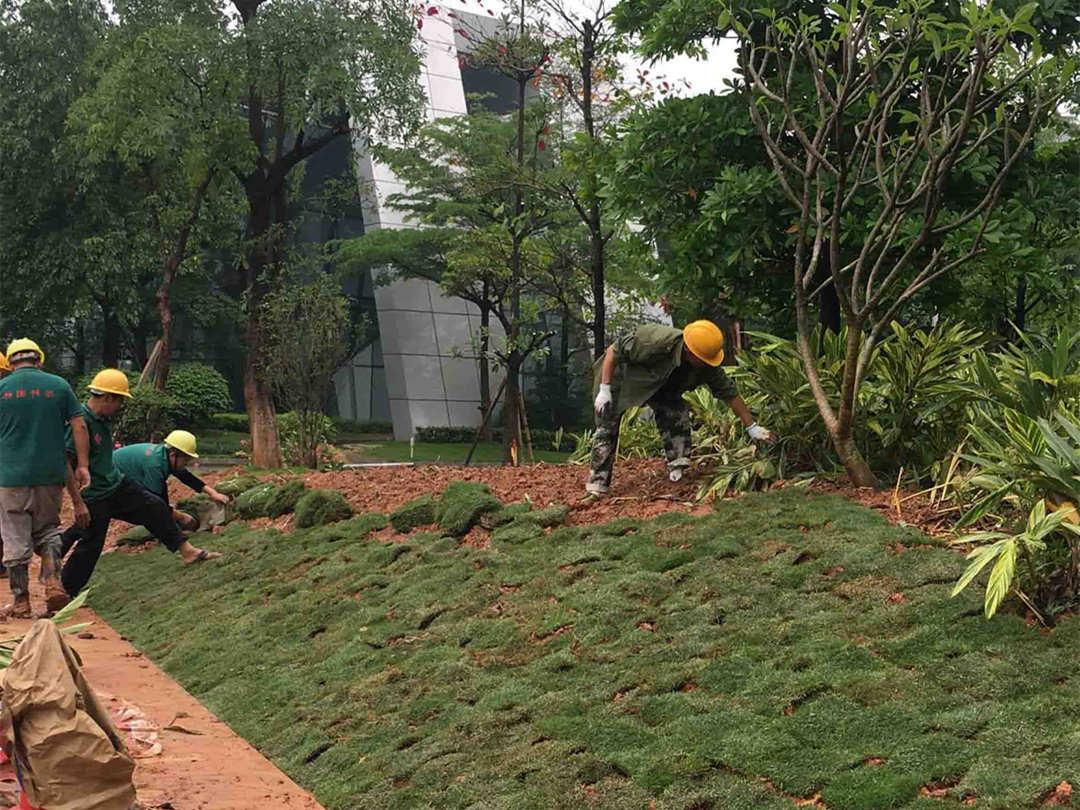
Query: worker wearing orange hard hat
654,366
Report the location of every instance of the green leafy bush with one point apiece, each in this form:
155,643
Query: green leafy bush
200,391
1035,377
319,507
417,512
148,416
322,431
541,439
462,505
374,426
233,422
1038,563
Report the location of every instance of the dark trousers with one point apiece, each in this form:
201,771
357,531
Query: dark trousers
131,503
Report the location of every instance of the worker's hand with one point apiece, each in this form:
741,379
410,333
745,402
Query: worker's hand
760,434
216,496
603,400
82,514
82,477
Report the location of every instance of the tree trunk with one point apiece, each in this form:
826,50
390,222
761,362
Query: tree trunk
485,368
112,338
596,260
265,449
511,407
164,308
857,469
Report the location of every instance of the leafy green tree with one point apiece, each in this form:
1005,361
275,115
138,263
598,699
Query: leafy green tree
162,113
866,172
307,339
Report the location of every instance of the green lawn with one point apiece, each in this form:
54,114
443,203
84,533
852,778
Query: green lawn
773,650
367,448
450,452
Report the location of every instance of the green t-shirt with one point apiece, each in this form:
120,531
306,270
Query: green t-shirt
104,477
147,464
649,364
35,409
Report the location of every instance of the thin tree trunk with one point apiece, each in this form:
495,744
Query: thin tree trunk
165,315
485,367
112,338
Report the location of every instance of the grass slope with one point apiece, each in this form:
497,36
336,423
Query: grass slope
774,650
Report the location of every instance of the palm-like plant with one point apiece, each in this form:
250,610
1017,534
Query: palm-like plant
1016,560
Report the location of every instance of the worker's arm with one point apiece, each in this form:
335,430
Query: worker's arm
603,401
753,429
81,438
194,482
82,511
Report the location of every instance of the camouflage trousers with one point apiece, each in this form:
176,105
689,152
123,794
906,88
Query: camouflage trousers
673,421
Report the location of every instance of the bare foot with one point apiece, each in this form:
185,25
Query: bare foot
200,554
19,609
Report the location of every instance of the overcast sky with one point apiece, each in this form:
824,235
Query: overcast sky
704,75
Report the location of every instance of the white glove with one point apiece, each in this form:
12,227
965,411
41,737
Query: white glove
603,399
677,467
675,475
758,433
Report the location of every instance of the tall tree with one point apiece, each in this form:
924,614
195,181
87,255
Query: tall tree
162,112
311,73
868,117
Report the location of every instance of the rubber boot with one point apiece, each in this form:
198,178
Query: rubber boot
19,577
56,597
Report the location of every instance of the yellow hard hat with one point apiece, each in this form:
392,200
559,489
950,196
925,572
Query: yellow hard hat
110,381
4,363
705,341
1068,507
24,345
183,441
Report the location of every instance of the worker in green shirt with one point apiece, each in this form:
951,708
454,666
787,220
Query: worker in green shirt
35,409
153,464
111,495
655,366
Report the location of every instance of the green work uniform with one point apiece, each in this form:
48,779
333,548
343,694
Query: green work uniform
650,370
104,477
35,407
148,465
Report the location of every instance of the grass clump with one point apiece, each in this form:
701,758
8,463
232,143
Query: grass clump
257,501
417,512
741,660
236,485
286,498
462,505
135,536
319,507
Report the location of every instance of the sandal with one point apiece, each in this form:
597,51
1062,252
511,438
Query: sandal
204,555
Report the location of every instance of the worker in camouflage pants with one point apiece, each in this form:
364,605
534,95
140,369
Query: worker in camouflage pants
655,366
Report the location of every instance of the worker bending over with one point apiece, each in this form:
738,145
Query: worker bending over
153,464
655,366
111,495
35,410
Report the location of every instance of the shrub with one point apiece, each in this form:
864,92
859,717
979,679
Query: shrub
199,391
148,416
320,429
319,507
541,439
461,506
638,438
236,485
374,426
417,512
232,422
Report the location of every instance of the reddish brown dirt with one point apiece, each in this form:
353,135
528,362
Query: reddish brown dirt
210,769
902,507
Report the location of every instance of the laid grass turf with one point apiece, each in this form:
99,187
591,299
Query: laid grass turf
773,650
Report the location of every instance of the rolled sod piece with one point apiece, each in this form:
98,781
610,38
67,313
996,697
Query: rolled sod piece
319,507
462,505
